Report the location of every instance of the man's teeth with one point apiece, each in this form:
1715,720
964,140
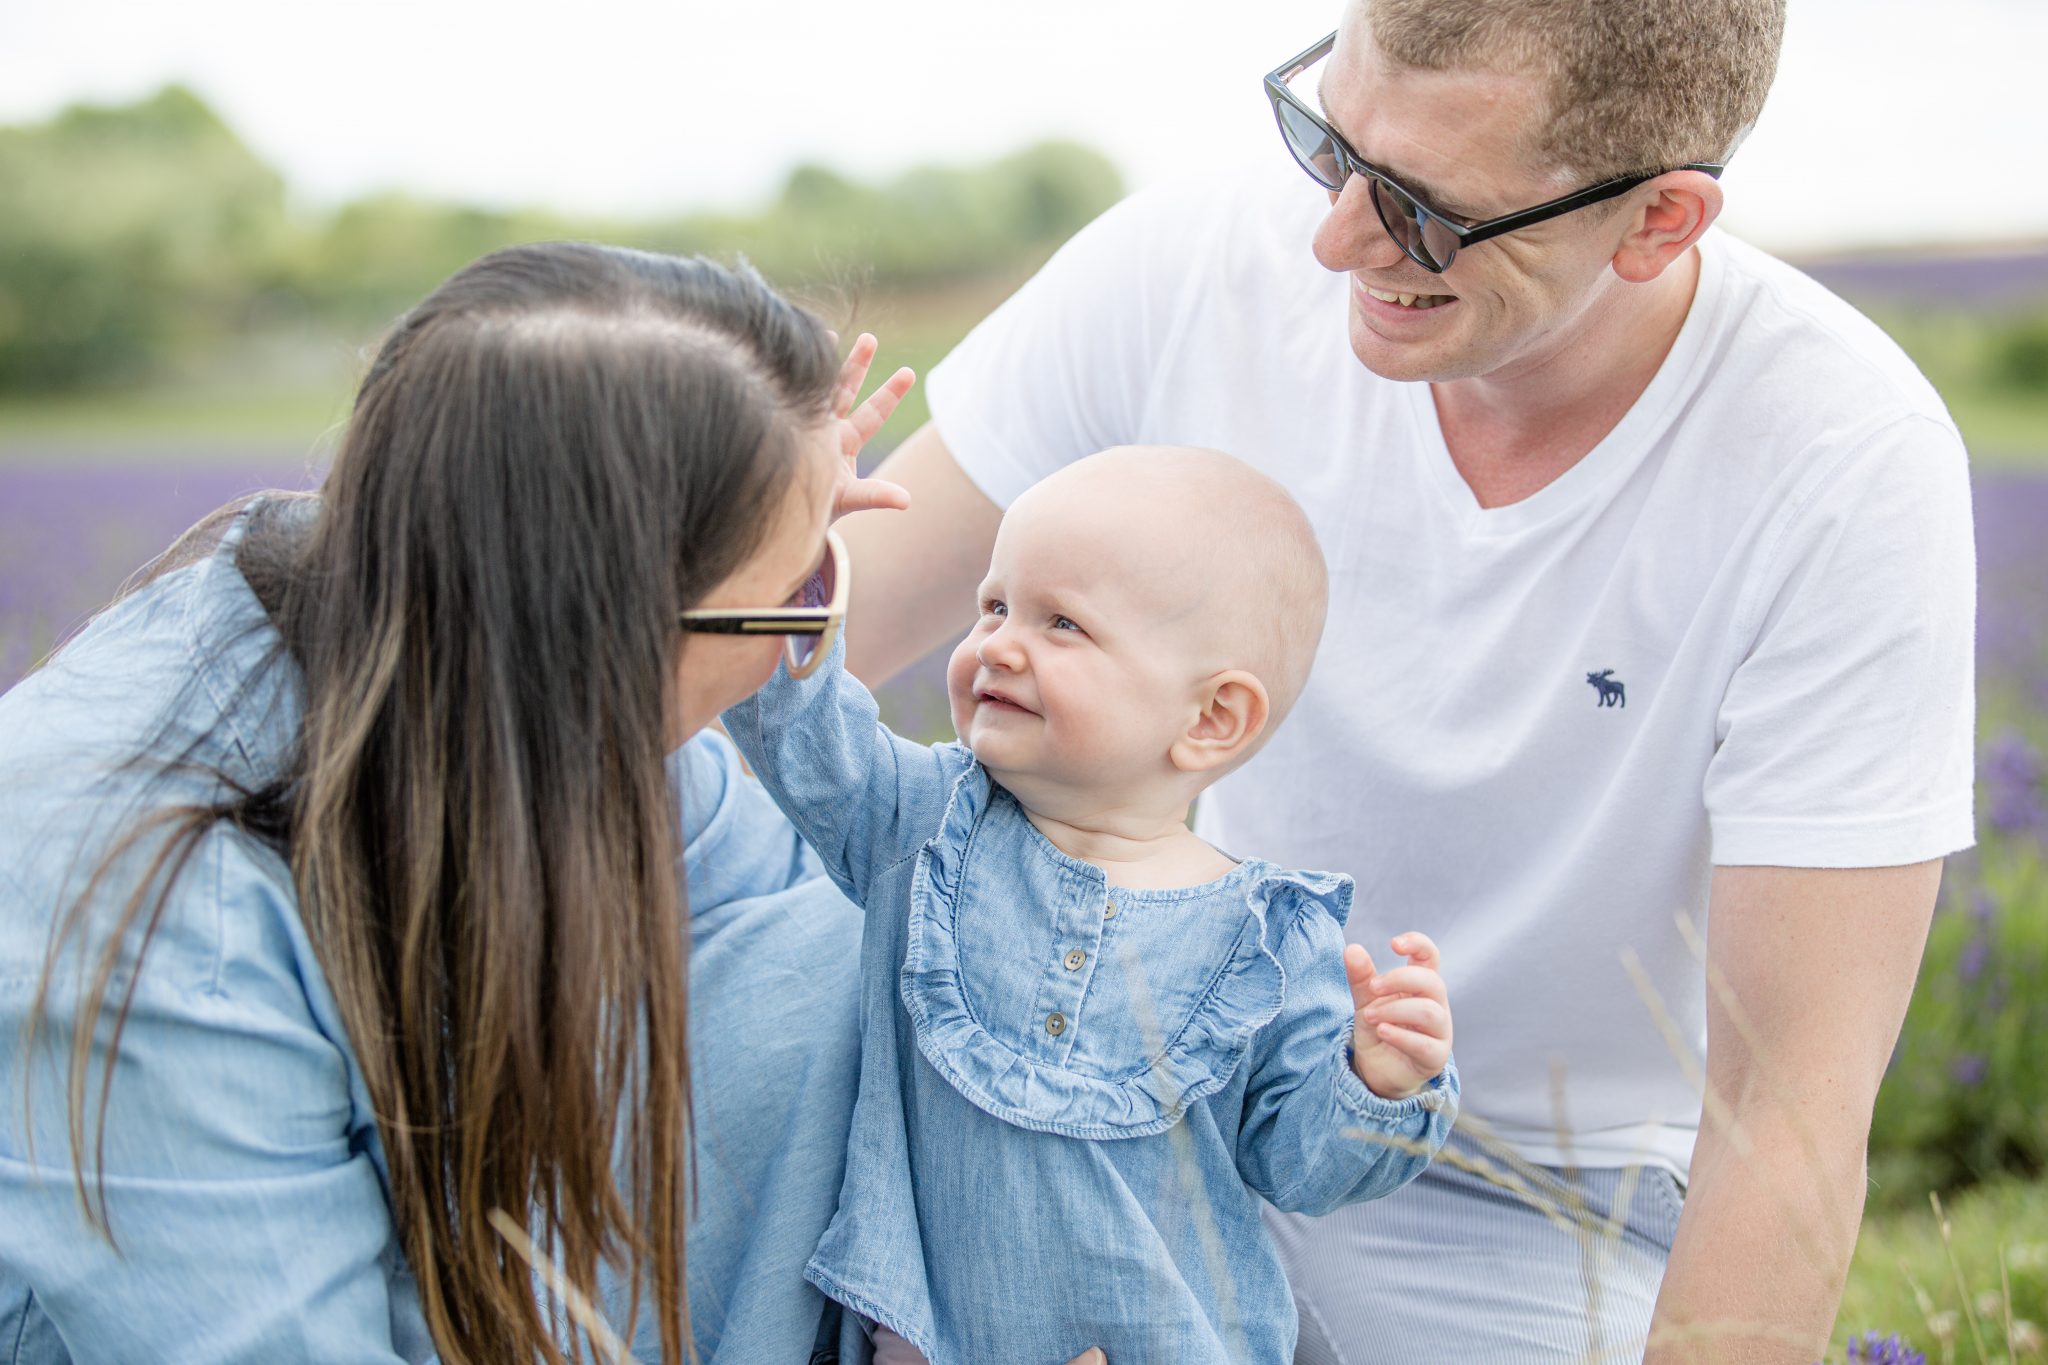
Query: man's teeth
1408,300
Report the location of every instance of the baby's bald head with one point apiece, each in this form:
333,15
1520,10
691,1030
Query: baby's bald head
1219,557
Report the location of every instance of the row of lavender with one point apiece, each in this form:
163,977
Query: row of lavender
1964,1098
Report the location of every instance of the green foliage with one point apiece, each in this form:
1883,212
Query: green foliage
124,231
2020,355
1967,1092
137,242
931,226
1991,369
1986,1279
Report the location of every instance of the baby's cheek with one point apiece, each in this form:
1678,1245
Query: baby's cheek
960,670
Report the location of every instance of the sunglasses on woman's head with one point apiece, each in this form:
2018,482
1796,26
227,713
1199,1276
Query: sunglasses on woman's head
1431,239
810,621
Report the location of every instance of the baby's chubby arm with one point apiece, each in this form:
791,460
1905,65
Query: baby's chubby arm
858,794
863,797
1317,1134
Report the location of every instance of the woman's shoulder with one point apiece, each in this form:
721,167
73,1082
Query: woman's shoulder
188,659
133,719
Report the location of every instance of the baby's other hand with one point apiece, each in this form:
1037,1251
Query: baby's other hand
858,425
1401,1028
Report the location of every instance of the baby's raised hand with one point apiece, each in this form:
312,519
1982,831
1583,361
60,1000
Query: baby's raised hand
1401,1031
857,426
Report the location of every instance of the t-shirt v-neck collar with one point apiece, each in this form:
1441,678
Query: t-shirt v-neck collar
1617,453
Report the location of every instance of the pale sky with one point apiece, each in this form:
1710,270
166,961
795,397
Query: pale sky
638,106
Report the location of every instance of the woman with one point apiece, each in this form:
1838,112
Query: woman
338,903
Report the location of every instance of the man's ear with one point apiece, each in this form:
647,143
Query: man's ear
1234,711
1667,216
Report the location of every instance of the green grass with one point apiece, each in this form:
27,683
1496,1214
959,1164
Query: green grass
223,416
150,424
1903,1279
2003,428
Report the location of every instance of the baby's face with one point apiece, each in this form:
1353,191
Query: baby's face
1087,658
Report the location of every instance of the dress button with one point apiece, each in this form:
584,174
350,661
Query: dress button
1075,959
1055,1023
1109,909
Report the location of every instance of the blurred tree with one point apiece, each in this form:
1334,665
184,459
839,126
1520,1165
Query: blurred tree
140,240
125,232
2020,354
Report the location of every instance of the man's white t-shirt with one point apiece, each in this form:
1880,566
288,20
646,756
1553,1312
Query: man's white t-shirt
1739,631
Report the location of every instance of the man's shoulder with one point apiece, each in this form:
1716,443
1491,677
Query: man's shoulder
1807,355
1243,224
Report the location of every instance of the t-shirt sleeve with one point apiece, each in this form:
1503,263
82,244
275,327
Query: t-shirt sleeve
1064,367
1845,737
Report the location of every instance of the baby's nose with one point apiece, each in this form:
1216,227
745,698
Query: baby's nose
1000,650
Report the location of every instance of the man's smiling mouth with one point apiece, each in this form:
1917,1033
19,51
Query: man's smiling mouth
1418,301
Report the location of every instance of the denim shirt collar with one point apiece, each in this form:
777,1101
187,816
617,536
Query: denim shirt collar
1145,1001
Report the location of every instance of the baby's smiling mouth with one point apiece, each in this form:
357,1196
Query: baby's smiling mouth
988,697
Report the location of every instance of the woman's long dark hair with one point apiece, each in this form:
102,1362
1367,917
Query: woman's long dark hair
558,451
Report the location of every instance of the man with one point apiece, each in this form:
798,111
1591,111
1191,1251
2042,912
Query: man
1646,688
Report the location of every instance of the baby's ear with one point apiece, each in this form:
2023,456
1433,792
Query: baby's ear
1233,716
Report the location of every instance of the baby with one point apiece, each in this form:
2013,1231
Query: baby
1091,1042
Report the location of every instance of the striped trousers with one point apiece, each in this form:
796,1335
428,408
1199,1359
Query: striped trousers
1560,1268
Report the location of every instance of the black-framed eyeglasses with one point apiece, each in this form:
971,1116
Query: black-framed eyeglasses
809,622
1430,239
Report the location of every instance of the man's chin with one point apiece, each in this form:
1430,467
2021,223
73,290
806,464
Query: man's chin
1409,362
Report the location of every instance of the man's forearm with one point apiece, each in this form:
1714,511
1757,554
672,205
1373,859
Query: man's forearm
914,572
1763,1248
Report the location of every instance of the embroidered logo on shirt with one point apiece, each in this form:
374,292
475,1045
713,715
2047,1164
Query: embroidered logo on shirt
1612,693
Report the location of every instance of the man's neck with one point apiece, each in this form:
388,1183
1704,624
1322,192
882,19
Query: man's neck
1511,434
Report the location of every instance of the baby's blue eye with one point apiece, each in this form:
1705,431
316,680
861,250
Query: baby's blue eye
994,608
1064,623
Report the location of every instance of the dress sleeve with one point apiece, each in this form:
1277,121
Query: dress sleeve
863,797
1845,736
1064,367
1314,1138
736,844
249,1217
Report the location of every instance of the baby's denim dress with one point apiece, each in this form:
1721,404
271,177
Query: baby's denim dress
1073,1096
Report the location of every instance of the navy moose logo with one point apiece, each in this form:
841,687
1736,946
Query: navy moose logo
1612,693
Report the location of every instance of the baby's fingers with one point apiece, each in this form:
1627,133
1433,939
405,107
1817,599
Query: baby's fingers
1414,1012
1358,969
1426,1054
1419,949
852,371
868,418
1411,981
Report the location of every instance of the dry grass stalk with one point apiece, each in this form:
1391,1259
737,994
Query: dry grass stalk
1956,1269
586,1317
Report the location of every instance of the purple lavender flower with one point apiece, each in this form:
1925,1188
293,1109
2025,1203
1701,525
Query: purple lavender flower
1871,1349
1967,1069
2012,775
2012,760
1970,962
1983,907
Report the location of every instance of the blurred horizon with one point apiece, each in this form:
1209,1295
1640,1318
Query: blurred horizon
162,288
633,109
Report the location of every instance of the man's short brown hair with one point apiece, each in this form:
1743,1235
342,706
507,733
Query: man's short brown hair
1635,85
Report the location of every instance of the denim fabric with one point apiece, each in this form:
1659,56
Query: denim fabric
244,1173
1073,1097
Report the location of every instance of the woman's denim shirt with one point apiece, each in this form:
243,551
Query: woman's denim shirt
1073,1096
244,1174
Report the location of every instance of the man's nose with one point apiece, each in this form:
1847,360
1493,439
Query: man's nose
1351,236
